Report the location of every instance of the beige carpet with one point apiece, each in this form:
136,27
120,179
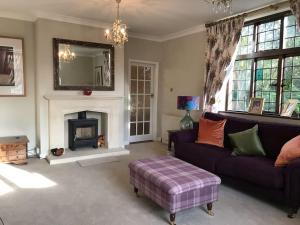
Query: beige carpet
100,194
93,162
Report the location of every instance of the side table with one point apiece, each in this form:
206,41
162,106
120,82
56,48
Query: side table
171,138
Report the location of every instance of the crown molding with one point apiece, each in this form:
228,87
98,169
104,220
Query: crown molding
17,16
70,19
98,24
163,38
182,33
145,37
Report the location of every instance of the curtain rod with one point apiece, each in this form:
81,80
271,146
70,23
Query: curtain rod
252,12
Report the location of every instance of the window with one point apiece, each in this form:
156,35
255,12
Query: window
291,35
267,65
291,80
240,85
246,43
268,35
266,81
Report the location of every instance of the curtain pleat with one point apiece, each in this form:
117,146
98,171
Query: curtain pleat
222,42
295,7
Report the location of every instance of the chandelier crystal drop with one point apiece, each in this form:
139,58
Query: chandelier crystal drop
118,33
221,5
66,55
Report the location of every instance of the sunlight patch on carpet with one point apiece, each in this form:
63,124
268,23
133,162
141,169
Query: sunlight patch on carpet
24,179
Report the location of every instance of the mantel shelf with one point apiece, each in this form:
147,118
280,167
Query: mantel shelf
82,97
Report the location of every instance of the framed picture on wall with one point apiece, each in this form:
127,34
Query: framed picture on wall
256,105
289,107
12,81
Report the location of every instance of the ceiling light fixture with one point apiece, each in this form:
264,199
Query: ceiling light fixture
118,33
67,55
221,5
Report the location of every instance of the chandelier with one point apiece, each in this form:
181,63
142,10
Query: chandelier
221,5
118,33
66,55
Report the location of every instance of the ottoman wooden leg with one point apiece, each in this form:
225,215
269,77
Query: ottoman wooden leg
136,191
292,213
172,218
209,209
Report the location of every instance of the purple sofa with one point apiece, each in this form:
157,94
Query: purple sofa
255,174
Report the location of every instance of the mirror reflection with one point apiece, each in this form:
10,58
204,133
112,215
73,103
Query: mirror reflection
84,65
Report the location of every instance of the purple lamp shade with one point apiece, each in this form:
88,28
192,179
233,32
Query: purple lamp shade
188,103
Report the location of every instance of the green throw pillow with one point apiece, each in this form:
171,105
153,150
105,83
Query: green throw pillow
247,142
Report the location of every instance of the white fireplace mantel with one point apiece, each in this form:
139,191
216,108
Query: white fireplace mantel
61,105
82,97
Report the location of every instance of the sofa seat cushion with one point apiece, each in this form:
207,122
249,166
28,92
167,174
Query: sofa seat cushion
258,170
201,155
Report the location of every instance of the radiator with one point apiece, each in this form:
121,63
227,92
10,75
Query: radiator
169,122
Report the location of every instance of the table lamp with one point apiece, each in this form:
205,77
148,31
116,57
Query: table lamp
188,103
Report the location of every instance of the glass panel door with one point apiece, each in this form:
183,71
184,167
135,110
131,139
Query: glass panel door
141,94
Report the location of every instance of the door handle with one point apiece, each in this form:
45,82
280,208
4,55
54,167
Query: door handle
152,95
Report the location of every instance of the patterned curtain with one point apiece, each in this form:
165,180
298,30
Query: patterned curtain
295,7
223,39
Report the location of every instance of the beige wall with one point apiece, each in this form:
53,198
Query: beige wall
17,114
182,72
45,31
143,50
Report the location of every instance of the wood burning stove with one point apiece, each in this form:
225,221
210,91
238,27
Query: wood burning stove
83,132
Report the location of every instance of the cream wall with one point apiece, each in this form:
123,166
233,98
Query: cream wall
144,50
44,32
17,114
181,62
182,72
181,69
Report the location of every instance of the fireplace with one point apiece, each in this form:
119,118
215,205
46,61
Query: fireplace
83,132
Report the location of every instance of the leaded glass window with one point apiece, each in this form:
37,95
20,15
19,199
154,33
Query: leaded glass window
267,64
240,85
291,81
266,82
268,35
291,34
246,42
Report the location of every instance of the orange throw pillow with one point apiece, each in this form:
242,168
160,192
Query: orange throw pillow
289,152
211,132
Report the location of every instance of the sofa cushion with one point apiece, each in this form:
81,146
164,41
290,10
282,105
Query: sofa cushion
201,155
256,169
247,143
233,125
211,132
289,152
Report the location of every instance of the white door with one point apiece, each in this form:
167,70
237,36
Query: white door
141,100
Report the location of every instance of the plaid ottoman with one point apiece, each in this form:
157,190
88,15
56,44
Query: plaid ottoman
173,184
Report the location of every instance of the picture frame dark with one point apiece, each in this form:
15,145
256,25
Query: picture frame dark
12,77
74,43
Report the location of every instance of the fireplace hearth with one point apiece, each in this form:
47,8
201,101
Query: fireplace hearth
83,132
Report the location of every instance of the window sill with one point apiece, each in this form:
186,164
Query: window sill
258,115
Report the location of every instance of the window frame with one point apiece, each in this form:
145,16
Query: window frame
280,53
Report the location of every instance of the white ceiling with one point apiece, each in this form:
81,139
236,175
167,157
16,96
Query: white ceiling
149,17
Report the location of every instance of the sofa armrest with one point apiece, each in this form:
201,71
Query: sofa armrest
293,184
185,136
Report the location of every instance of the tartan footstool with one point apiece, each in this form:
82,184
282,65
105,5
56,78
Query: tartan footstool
173,184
